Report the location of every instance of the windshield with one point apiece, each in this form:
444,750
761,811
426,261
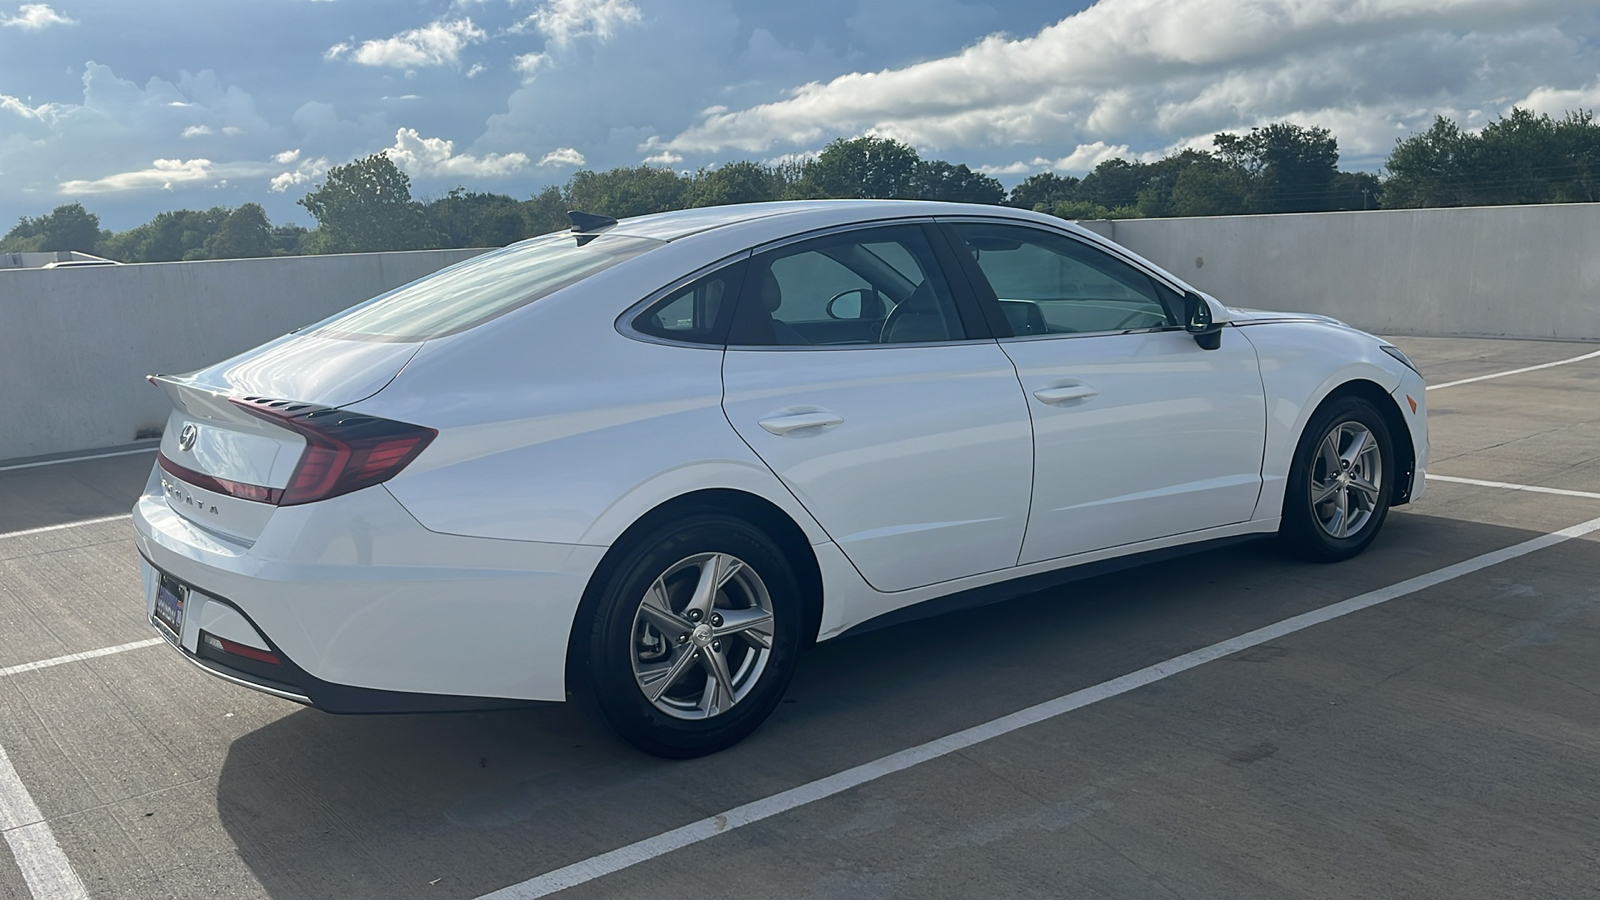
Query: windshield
472,292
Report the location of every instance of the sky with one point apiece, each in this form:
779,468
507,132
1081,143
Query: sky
136,108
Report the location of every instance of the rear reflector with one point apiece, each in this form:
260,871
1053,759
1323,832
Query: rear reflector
226,646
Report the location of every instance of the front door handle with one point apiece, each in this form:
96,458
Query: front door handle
795,421
1065,393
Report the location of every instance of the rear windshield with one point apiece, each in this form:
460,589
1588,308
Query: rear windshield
474,291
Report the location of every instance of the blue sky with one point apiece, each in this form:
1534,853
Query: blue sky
132,109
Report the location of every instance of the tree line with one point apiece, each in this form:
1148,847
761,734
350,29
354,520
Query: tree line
367,204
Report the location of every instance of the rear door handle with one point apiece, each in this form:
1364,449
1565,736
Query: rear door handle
796,421
1065,393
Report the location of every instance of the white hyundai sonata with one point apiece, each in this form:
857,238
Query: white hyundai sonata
645,463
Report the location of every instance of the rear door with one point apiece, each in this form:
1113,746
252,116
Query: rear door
906,437
1138,432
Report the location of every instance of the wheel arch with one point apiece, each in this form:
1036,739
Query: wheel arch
1405,453
758,511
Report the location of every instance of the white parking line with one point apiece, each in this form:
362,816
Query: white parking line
45,869
595,867
79,657
73,459
64,525
1530,488
1559,362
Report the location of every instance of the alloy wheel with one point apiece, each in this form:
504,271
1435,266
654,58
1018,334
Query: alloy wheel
702,636
1346,480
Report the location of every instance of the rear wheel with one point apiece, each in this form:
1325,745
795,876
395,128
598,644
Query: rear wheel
694,636
1340,483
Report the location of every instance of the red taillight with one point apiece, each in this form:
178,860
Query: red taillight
345,451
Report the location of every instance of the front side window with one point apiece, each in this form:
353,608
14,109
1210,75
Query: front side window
869,286
472,292
1048,283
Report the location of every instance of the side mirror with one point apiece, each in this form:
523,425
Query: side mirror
1197,321
856,303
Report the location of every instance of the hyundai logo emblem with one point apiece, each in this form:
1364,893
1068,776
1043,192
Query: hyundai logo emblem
187,436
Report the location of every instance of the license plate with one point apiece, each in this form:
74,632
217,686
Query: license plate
169,605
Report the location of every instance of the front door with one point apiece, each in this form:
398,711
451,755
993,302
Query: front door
908,440
1139,432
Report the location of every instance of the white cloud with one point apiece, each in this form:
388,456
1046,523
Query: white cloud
1557,101
1166,70
476,70
196,131
435,44
433,157
1085,157
664,158
35,16
1016,168
562,156
15,104
563,21
528,64
163,173
306,172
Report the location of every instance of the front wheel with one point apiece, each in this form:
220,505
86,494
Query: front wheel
1340,482
694,637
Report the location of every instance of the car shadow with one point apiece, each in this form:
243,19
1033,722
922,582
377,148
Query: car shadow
459,805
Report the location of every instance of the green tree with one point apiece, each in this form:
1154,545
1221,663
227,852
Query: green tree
289,240
67,227
736,182
863,167
1520,158
1291,167
244,234
1113,183
626,191
366,206
1210,187
545,212
935,179
1042,191
170,236
464,218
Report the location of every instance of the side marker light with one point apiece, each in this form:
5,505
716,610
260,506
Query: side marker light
1412,402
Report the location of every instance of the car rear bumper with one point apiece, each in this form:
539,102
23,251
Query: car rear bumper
367,611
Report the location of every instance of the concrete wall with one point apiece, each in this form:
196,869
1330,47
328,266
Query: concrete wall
1503,271
75,344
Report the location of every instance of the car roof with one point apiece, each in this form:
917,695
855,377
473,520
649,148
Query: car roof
670,226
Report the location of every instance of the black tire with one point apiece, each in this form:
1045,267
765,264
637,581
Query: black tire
618,640
1313,531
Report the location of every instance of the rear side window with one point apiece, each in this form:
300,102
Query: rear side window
472,292
698,312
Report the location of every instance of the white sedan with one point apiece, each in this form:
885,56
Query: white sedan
645,463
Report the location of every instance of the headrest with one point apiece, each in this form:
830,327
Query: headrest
771,293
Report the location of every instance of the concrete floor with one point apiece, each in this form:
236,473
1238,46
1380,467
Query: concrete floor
1443,744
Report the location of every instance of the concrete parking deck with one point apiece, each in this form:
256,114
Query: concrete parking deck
1439,744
